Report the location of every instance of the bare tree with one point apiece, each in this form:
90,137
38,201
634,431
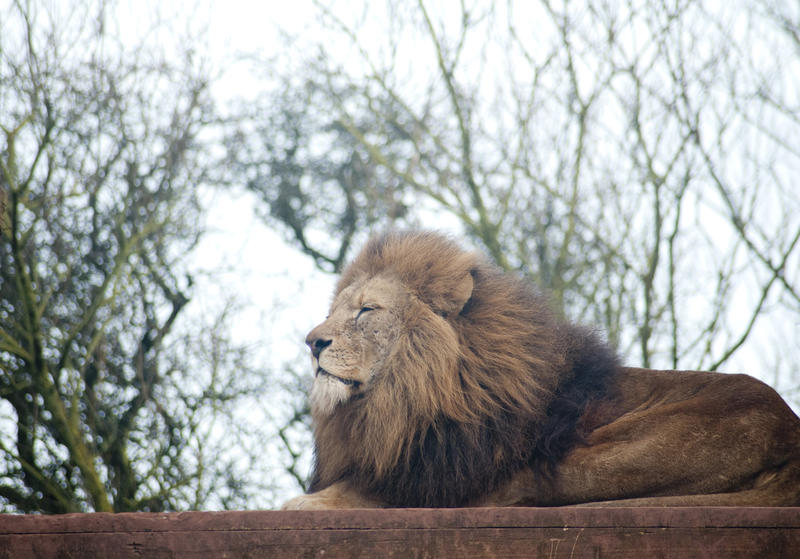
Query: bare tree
635,159
108,399
315,178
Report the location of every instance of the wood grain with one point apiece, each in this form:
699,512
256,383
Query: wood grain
509,532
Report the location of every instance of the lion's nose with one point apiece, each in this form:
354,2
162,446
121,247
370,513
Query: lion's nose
317,345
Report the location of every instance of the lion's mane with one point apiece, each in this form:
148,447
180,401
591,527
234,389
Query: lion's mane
458,410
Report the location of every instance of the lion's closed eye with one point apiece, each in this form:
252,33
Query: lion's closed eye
365,309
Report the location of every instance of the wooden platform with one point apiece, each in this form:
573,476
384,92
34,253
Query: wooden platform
456,533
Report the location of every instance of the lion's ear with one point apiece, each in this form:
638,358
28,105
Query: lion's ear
458,297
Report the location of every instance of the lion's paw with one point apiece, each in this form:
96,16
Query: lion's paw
307,502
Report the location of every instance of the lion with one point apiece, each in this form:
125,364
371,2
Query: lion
442,381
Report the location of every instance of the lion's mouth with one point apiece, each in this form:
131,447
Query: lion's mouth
345,381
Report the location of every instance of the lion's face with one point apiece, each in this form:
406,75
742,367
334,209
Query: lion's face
356,338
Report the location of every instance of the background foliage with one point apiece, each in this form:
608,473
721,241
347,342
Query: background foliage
108,399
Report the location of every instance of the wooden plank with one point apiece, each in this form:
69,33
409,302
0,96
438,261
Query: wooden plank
509,532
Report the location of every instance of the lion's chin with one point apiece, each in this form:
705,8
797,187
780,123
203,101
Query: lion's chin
345,381
328,392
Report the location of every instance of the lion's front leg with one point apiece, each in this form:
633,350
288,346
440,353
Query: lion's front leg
337,496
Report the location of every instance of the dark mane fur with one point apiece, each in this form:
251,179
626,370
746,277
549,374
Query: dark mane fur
524,378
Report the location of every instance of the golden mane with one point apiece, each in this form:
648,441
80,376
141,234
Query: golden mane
461,404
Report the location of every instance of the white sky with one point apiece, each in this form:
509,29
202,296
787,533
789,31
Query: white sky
268,276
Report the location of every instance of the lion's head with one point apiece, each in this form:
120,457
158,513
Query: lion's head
379,323
434,372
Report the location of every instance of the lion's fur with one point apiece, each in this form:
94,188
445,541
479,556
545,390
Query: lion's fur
462,403
455,384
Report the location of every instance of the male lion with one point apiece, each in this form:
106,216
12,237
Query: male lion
443,382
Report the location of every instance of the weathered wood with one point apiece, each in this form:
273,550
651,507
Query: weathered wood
511,532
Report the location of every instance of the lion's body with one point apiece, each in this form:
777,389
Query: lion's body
442,381
675,438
